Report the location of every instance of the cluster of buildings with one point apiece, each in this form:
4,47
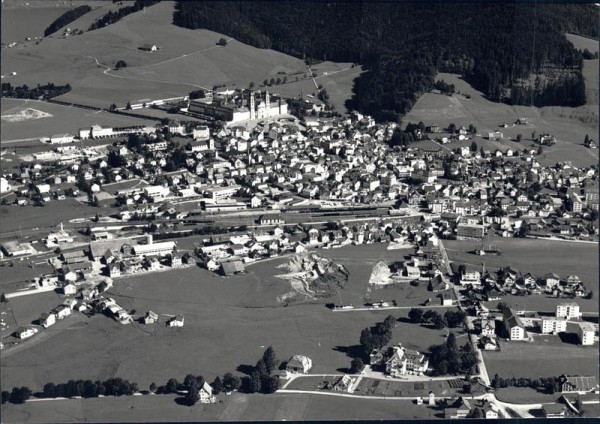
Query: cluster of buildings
398,361
566,313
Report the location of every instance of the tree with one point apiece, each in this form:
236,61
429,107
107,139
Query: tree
5,396
261,367
416,315
171,386
476,413
113,108
451,128
193,394
128,106
270,384
366,340
270,359
540,151
579,405
586,140
49,390
222,42
439,322
429,315
230,382
152,387
251,85
356,365
188,381
389,322
266,82
533,135
519,138
217,386
120,64
473,146
19,395
254,382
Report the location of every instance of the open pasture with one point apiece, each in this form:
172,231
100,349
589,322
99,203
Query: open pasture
186,60
568,125
62,119
545,357
224,319
237,407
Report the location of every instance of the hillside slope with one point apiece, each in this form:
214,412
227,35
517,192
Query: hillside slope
186,60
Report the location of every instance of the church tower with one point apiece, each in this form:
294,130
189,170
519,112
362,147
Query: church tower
252,106
267,104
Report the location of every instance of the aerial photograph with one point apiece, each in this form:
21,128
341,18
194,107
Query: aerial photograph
299,210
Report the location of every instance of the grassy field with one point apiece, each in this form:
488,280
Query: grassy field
277,407
524,395
63,120
186,60
569,125
21,22
228,322
546,357
53,213
583,42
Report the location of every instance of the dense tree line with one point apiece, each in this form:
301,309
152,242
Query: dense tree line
550,384
89,388
45,92
66,18
444,87
450,318
403,45
449,358
17,395
112,17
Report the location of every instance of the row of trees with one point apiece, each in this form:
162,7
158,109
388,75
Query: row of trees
449,358
17,395
66,18
112,17
450,318
549,384
444,87
45,92
89,388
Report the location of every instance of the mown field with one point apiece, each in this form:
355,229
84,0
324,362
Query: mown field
21,22
64,119
229,320
277,407
546,357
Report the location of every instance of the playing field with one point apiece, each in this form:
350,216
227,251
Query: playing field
547,356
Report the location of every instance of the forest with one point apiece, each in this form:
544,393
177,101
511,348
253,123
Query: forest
112,17
494,46
66,18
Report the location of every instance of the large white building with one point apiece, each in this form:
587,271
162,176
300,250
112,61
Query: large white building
553,325
236,105
586,333
568,310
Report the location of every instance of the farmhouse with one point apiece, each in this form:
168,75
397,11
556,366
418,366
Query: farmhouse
405,361
148,47
206,394
513,324
344,384
47,319
150,317
299,364
576,384
176,321
232,268
25,332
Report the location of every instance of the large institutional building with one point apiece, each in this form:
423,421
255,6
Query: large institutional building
239,105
